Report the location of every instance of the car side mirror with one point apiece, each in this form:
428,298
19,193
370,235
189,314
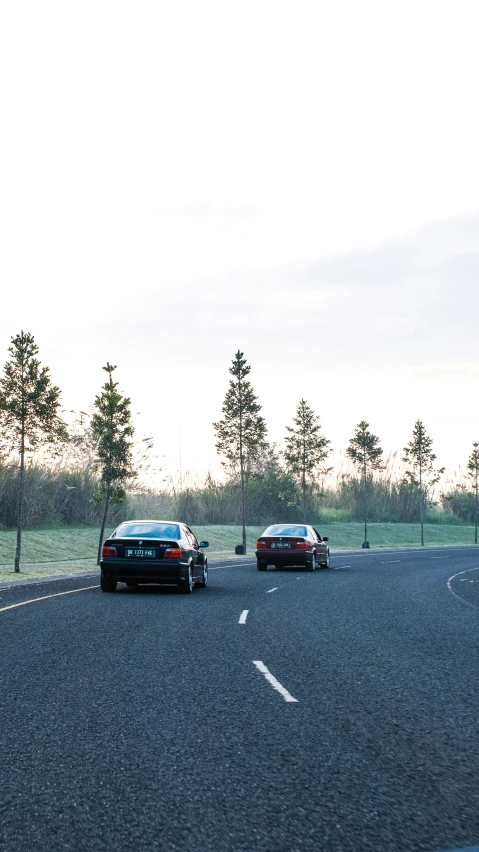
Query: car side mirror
325,538
204,544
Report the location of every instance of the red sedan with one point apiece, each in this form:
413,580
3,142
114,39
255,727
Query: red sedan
292,544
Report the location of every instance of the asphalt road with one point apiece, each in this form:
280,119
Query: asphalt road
341,715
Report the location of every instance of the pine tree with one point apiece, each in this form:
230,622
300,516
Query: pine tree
306,447
29,412
365,452
242,431
473,472
112,430
419,457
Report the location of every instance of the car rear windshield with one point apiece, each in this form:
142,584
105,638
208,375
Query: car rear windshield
153,530
286,529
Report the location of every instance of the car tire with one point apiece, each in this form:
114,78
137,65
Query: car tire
328,561
204,580
107,584
261,566
185,586
311,563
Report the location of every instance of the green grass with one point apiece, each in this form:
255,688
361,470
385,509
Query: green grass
351,535
53,569
50,545
63,543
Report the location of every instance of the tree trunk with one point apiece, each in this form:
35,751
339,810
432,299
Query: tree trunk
103,523
365,507
475,531
421,506
303,479
243,500
243,508
21,486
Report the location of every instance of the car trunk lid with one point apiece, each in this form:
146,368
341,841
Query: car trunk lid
141,548
284,542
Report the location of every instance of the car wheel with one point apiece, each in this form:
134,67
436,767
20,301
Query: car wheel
186,583
311,563
204,580
327,562
107,584
261,566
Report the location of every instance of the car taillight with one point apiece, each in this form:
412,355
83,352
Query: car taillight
173,553
260,545
108,551
301,545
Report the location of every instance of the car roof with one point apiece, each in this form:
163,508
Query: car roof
152,521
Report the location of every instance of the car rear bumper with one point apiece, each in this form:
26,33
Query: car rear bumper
144,570
282,557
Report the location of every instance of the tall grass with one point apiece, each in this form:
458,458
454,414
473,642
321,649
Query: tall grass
54,496
62,493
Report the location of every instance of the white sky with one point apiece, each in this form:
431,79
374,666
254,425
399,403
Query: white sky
295,179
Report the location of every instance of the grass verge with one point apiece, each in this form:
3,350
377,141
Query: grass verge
45,570
68,544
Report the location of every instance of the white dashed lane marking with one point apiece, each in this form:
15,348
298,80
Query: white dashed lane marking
274,683
272,590
243,616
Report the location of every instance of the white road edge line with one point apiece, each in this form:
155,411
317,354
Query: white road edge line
243,616
272,590
383,551
47,597
468,603
274,683
234,565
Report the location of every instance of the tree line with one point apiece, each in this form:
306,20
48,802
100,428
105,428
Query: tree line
241,440
90,468
30,418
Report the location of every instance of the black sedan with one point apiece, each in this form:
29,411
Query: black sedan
164,552
292,544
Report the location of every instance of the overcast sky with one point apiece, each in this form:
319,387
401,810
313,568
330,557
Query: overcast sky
295,179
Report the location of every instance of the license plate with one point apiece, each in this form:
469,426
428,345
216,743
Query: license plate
280,544
149,554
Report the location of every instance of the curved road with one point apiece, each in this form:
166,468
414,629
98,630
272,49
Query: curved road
335,710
